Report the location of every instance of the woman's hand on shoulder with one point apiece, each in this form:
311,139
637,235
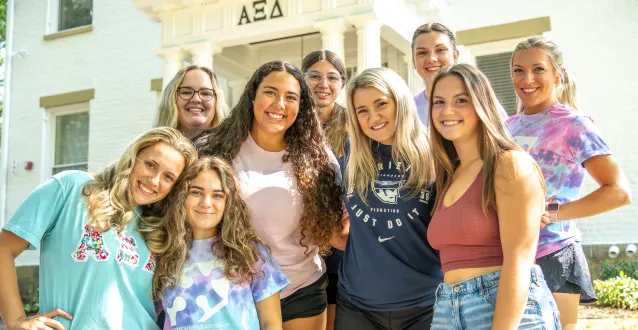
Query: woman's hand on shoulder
41,321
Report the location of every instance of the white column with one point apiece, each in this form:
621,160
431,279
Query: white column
237,88
332,35
202,53
415,83
173,62
368,41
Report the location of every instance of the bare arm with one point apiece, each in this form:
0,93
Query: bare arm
614,190
11,308
340,237
520,202
269,313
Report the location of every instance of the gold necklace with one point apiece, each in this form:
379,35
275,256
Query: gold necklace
525,127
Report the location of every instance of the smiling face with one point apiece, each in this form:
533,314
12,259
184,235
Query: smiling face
276,104
205,204
325,83
194,112
376,114
155,171
432,51
534,79
453,113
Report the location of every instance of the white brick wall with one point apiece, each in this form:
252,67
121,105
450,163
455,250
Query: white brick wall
598,39
117,59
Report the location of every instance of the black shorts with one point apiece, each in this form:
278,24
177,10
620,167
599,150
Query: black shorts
331,290
566,271
351,317
306,302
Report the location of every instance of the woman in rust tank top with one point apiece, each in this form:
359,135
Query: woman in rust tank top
486,220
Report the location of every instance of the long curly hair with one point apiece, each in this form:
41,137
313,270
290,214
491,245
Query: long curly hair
108,196
306,150
237,245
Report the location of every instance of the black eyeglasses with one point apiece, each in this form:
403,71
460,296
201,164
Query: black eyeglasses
187,93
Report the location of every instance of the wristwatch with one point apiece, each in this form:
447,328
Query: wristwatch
553,209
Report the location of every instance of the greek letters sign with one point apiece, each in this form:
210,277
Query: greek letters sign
261,10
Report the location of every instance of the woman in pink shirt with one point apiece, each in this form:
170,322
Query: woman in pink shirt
289,180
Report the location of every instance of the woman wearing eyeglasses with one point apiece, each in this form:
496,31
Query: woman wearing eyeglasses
326,75
192,101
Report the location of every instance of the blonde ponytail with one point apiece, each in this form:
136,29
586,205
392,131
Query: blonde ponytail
566,88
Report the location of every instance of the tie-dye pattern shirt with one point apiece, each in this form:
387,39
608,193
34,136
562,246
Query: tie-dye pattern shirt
560,140
206,299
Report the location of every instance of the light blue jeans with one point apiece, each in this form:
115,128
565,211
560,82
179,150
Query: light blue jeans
470,304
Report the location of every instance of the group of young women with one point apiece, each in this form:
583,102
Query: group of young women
213,222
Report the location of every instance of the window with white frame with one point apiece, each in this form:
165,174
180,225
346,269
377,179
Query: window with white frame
71,14
71,146
496,68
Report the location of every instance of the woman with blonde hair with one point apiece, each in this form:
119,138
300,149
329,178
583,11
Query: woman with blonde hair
485,224
192,101
566,144
289,180
389,272
213,254
98,268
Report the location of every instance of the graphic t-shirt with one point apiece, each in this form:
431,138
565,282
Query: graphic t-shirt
388,264
560,140
103,279
206,299
423,106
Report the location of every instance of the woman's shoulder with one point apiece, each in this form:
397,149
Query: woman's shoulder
515,164
72,178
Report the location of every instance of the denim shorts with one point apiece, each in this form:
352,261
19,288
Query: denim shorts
470,304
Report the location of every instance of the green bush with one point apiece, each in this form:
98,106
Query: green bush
610,270
32,303
619,292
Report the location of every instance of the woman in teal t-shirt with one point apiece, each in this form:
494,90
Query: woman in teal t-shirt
95,269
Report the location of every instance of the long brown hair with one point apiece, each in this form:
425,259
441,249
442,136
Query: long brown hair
306,150
335,128
237,245
494,137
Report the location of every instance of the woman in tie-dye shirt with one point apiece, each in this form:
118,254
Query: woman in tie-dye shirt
565,143
215,273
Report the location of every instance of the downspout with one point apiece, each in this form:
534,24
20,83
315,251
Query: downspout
6,112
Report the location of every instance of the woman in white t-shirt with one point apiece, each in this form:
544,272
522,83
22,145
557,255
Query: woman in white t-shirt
289,180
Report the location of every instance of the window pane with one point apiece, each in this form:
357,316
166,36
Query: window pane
74,13
497,69
82,167
72,139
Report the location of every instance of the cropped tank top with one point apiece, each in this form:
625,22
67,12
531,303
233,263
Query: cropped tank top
464,235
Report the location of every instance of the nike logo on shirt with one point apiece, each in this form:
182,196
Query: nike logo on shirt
381,240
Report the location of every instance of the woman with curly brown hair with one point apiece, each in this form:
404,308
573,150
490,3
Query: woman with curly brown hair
97,267
318,65
288,179
213,254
